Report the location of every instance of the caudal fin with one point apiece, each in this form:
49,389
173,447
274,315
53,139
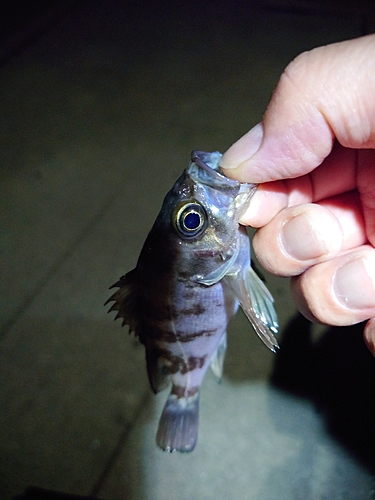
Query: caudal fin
178,424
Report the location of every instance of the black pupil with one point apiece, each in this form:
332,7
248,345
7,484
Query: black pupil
192,220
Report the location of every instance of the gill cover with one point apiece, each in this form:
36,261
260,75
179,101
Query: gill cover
227,196
254,297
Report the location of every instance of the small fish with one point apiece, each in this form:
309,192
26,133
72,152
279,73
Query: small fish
193,272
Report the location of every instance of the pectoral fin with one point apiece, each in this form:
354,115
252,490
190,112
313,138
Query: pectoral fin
257,303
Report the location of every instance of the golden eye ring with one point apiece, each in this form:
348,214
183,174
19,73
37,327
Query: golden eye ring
191,219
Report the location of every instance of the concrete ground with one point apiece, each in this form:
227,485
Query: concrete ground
101,105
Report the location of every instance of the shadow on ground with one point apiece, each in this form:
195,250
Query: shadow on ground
337,373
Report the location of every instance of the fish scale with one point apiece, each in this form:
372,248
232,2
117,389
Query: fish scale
193,272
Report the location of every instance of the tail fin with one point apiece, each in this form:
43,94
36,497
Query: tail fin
178,424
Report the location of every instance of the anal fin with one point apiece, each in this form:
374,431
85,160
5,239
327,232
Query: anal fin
217,360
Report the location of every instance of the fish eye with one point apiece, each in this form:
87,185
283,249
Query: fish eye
191,219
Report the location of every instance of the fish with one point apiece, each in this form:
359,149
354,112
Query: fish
192,274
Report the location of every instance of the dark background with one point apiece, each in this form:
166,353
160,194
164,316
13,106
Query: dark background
101,104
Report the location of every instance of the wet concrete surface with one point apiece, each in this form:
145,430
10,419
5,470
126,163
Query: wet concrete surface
100,110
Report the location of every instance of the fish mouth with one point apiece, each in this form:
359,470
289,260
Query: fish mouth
204,168
208,162
208,171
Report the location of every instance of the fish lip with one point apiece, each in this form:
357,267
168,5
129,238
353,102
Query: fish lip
215,174
197,158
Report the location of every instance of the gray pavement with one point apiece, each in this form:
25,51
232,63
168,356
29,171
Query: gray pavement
99,113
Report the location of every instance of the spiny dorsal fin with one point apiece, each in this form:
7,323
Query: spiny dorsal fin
125,301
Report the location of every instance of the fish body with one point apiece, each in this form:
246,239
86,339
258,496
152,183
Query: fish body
193,272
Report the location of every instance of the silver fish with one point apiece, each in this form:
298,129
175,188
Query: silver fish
193,271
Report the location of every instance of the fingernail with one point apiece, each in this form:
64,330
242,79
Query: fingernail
243,149
353,285
300,240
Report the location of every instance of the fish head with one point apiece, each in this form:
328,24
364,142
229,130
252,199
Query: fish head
205,208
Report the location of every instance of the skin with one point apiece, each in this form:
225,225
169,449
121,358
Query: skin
313,155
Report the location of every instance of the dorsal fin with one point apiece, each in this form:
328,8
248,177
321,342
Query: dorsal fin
125,301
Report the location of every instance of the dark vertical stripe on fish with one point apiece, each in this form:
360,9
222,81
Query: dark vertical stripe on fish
173,363
162,334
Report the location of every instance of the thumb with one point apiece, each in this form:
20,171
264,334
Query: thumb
325,94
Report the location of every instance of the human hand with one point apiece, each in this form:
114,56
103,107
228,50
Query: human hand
314,158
